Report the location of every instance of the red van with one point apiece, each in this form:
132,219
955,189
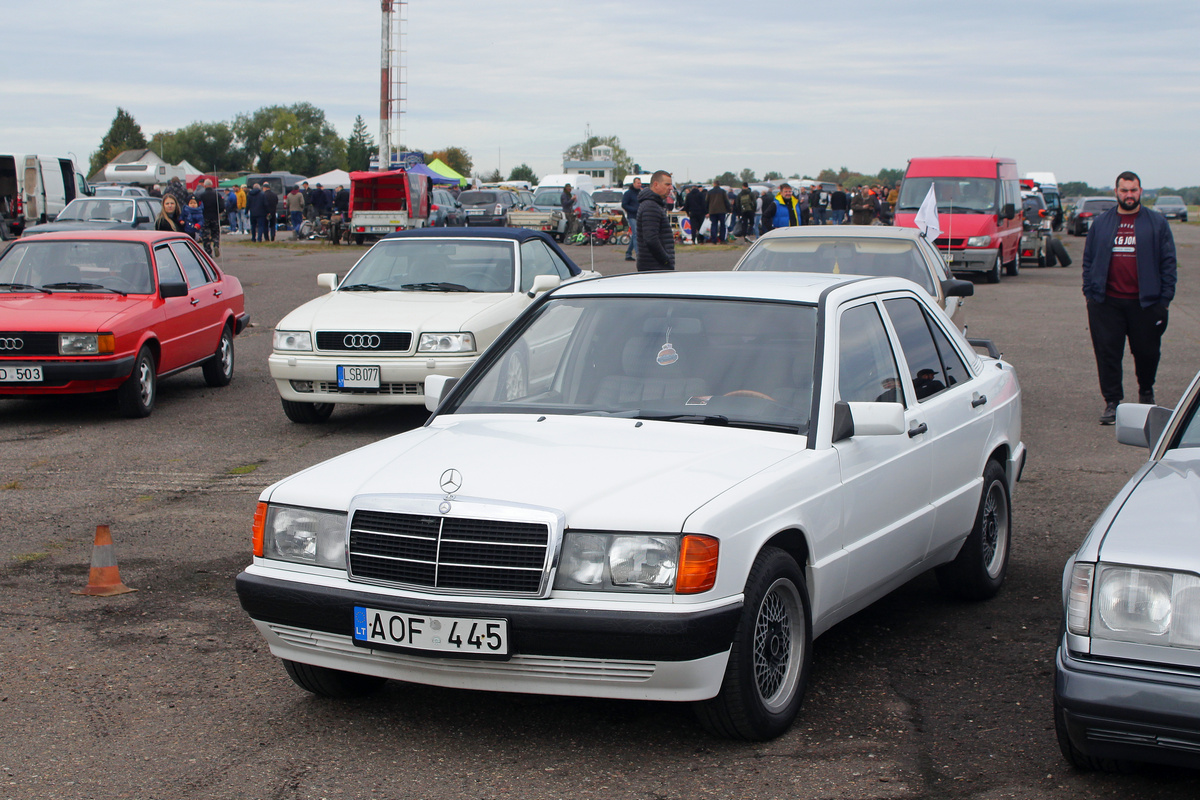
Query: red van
978,202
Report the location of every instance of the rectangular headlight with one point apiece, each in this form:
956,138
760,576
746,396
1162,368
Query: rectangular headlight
446,343
84,344
305,536
292,340
1147,606
979,241
625,562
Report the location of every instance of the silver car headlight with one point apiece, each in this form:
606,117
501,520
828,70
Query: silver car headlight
305,536
1130,604
446,343
979,241
292,340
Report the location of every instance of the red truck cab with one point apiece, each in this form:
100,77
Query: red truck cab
979,204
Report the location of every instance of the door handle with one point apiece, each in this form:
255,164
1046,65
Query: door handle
217,292
194,301
917,430
978,399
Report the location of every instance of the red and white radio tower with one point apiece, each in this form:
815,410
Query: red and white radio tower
393,79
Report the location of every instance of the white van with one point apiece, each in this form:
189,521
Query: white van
584,182
34,189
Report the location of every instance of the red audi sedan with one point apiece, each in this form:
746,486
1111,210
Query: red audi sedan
99,311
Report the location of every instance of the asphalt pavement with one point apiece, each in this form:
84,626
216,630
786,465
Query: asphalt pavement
169,692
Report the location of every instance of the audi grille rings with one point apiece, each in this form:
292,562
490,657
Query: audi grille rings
11,343
361,341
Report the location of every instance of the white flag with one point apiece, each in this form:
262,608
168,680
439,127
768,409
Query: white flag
927,216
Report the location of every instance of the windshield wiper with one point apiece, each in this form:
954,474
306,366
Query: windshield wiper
434,286
704,419
83,287
24,287
365,287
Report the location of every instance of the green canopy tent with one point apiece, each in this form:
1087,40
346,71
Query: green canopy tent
440,167
233,182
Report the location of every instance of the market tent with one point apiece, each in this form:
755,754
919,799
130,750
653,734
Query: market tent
435,177
335,177
440,167
233,182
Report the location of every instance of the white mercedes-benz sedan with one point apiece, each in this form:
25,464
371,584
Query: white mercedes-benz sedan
418,303
702,473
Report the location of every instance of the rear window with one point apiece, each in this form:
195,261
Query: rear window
1099,205
476,198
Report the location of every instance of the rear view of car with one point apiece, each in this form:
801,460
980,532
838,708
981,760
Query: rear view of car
1085,212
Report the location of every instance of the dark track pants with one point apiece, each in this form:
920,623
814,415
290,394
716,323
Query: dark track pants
1111,323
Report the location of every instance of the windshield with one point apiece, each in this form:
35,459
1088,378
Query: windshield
424,265
954,195
1096,206
688,360
548,197
1169,200
836,256
99,209
478,198
122,267
607,197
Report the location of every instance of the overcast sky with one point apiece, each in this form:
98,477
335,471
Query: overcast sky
1084,89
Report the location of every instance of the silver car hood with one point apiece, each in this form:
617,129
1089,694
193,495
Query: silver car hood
1158,525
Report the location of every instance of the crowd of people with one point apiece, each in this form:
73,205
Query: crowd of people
252,210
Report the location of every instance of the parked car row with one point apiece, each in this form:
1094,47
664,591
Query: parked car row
696,403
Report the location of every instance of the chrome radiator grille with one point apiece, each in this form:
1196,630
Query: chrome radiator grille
448,553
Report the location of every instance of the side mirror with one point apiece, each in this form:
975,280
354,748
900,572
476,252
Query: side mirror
173,289
1009,211
437,387
1141,425
327,280
954,287
866,419
544,283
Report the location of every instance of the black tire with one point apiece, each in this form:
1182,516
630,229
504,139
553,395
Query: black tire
1013,268
1076,757
1059,252
994,275
359,238
218,370
306,413
979,569
770,658
136,396
1052,252
327,682
1043,255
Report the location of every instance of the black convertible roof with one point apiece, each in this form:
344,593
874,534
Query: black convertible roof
515,234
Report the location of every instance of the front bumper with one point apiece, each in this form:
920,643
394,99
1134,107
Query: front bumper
72,377
982,259
674,654
401,377
1129,712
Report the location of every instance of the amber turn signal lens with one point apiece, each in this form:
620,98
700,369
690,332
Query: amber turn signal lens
106,344
260,523
697,564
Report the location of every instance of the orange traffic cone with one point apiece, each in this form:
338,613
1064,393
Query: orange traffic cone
105,579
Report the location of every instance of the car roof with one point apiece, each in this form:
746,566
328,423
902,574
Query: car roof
149,237
519,235
841,232
798,287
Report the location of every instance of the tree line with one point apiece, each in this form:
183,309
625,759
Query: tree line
296,138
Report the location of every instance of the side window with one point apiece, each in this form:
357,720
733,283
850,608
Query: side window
192,268
925,365
144,209
537,260
956,370
866,367
168,267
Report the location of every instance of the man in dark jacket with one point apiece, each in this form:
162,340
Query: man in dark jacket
254,206
696,206
718,207
213,204
656,243
629,204
320,201
839,204
1129,280
270,202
